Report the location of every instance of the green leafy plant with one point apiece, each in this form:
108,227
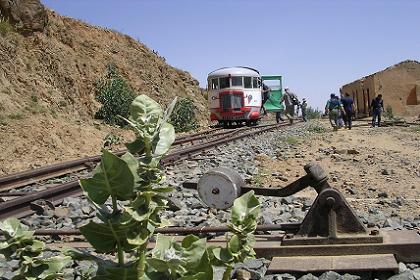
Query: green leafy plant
193,260
128,195
115,95
183,117
131,186
20,244
5,26
388,113
245,212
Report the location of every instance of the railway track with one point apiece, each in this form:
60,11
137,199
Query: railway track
28,177
27,204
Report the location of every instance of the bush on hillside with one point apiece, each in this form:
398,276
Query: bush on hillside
183,117
115,95
5,26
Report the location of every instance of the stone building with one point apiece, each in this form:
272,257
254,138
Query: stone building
398,84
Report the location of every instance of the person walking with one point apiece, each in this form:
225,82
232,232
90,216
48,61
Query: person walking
289,99
377,107
303,107
333,109
348,106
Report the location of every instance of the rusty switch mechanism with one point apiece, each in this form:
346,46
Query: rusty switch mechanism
330,219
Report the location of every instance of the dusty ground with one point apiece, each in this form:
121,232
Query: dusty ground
373,167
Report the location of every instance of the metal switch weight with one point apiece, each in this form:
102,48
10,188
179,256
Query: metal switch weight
219,187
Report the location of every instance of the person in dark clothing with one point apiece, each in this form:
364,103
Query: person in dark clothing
265,96
303,107
348,105
377,107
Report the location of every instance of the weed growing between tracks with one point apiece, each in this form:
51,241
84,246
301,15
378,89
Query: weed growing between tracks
134,186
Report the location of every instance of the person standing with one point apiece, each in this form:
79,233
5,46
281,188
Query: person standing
303,107
348,105
265,91
333,109
289,99
377,107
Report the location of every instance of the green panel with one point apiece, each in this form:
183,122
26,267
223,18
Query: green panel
273,103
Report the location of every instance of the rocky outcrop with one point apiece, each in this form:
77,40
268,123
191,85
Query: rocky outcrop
27,15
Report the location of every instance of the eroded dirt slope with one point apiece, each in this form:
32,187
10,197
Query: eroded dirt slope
47,83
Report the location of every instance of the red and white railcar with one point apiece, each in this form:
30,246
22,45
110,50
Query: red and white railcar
234,95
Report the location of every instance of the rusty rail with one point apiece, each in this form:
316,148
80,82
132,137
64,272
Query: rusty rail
24,206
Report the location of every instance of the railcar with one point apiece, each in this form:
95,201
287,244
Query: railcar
235,95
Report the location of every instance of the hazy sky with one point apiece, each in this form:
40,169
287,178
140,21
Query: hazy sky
316,46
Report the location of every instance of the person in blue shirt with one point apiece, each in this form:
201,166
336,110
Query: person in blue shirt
377,107
348,106
333,109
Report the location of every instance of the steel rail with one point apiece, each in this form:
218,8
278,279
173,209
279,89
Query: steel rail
24,206
28,177
287,227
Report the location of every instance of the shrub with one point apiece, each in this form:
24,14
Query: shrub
115,95
5,26
388,112
313,113
183,118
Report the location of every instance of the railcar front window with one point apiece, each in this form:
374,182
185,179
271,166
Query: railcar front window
236,81
215,83
248,82
224,82
255,82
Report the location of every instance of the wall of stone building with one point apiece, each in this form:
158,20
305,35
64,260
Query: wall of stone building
399,86
362,91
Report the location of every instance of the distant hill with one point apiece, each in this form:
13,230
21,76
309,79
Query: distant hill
48,68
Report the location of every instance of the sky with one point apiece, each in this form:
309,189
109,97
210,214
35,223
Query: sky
316,45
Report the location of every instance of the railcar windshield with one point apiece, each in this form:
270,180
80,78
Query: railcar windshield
214,84
234,81
247,82
224,82
237,81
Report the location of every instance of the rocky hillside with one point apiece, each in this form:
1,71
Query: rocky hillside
48,68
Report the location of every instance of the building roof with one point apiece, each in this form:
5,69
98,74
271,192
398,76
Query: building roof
386,69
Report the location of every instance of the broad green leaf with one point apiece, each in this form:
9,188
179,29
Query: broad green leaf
163,243
234,244
246,206
158,264
222,254
163,140
55,266
133,164
194,249
14,229
137,146
112,177
145,110
128,272
104,237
